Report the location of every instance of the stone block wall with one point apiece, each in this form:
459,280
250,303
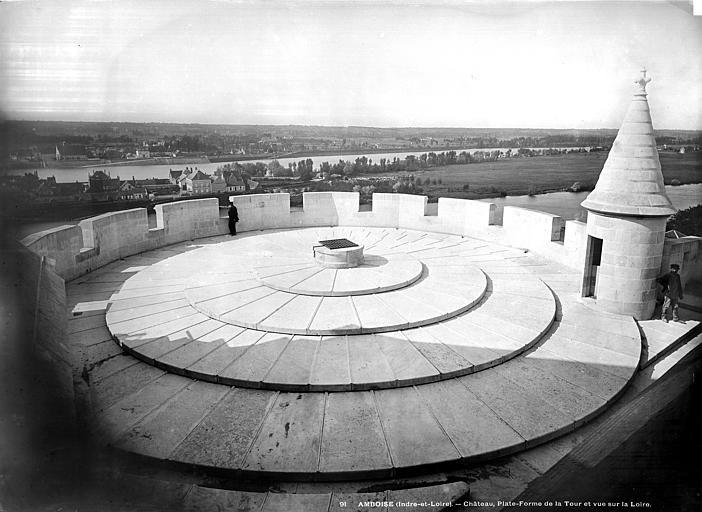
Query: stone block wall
328,208
187,220
60,245
46,362
262,211
632,251
459,215
107,238
530,228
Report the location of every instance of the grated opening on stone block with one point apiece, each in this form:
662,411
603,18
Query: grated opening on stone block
337,243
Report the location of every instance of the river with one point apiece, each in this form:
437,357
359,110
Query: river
142,172
567,204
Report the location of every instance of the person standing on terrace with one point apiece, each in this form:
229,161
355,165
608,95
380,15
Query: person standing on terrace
672,292
233,218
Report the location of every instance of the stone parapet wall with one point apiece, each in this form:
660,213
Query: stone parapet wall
76,250
45,365
531,228
261,211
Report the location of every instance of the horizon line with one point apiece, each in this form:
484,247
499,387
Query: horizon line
332,126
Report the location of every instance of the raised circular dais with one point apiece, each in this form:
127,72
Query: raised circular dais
209,313
375,275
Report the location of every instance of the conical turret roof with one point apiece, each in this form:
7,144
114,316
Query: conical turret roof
631,182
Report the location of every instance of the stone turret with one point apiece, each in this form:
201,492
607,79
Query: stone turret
631,182
627,216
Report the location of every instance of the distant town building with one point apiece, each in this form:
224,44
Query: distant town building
219,184
162,191
182,179
198,183
174,175
130,190
66,151
53,192
234,183
103,187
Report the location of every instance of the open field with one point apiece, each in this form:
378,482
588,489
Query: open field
520,176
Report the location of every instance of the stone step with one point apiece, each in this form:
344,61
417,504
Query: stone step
356,434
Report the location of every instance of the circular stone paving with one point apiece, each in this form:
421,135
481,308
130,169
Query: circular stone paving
258,311
376,274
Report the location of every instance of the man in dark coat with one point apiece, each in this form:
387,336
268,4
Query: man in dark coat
672,292
233,218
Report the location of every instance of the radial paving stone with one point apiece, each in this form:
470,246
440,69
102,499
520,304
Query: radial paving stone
255,363
207,499
223,438
411,430
447,361
290,436
330,370
352,437
475,429
111,389
115,420
217,360
188,354
154,351
158,434
523,409
368,365
294,364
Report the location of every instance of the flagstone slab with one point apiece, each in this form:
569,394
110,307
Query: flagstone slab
222,439
330,369
352,438
183,357
117,305
206,499
139,311
293,316
159,434
294,365
586,376
447,361
255,363
367,363
523,409
572,400
85,323
140,336
109,390
290,436
474,428
116,419
162,346
289,502
216,361
412,432
408,364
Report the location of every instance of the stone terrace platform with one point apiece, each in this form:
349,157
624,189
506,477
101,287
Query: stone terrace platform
487,352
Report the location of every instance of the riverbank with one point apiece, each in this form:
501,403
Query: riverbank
537,175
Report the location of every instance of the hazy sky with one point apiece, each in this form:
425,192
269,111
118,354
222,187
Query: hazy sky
550,65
